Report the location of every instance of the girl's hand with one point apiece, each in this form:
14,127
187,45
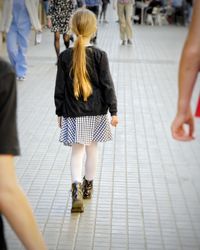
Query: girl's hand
179,130
60,121
114,121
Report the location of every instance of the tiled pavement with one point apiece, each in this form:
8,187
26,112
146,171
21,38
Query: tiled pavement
147,187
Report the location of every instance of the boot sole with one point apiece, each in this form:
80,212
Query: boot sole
77,207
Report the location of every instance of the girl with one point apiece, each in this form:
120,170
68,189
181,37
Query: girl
84,93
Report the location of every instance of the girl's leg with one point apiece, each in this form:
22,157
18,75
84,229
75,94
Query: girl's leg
91,161
76,162
90,170
57,43
15,207
76,169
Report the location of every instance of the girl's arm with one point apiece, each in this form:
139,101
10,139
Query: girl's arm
59,94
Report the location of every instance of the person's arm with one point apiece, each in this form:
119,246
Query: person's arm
16,208
13,203
32,7
188,70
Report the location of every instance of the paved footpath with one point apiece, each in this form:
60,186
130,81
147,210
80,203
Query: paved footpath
147,187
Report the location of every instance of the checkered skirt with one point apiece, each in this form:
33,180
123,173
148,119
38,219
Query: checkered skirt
86,129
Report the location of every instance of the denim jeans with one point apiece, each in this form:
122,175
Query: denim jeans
17,40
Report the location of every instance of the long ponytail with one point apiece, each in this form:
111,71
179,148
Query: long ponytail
82,85
83,25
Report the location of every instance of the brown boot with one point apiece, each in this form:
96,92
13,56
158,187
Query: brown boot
77,198
87,189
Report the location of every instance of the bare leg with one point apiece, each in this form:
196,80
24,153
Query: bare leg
15,207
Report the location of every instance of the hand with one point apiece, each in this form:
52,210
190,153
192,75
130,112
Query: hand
39,30
49,23
60,121
178,128
114,121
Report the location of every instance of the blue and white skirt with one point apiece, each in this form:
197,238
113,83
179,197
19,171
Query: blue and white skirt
85,129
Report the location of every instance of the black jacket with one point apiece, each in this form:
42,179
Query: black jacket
103,97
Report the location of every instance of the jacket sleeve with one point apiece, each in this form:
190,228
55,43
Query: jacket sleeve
32,7
59,95
6,16
107,84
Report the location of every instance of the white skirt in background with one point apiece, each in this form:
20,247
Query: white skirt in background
85,129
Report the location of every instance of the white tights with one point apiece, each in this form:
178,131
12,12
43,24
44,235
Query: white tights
77,161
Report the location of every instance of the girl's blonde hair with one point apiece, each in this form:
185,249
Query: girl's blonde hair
84,25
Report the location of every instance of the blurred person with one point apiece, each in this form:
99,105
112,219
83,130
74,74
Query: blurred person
179,15
152,12
59,14
84,93
189,6
169,12
79,3
125,13
188,71
93,5
153,4
139,10
104,7
13,203
17,17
